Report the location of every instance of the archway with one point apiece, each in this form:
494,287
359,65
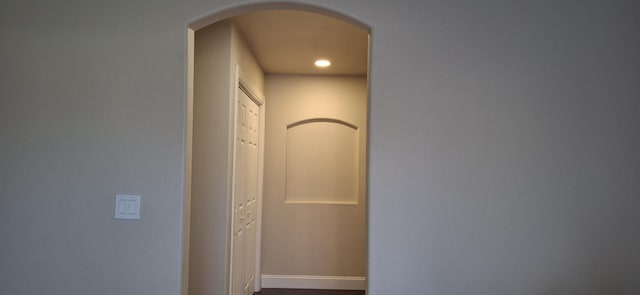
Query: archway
210,159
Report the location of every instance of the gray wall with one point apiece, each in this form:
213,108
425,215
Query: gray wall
504,150
503,145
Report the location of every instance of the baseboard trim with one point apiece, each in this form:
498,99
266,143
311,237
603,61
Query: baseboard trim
314,282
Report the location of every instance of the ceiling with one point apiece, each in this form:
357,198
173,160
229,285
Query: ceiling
288,42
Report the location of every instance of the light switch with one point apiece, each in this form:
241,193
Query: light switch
127,207
121,206
132,208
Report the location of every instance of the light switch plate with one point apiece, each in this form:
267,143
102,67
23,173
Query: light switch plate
127,207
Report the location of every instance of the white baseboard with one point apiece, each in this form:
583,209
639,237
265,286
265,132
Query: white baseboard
314,282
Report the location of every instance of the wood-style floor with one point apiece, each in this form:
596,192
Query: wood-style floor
308,292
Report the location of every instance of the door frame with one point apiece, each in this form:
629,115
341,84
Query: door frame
242,83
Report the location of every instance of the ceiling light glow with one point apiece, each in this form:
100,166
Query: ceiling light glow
322,63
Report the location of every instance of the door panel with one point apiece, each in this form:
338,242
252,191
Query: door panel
245,196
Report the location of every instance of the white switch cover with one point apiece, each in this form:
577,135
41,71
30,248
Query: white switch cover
127,207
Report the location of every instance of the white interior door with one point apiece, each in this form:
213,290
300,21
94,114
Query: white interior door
245,195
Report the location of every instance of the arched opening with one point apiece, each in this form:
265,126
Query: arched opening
225,64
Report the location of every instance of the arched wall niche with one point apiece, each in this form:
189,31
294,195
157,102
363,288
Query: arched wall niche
322,162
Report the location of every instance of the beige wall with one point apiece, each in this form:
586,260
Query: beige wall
218,49
312,239
503,145
209,193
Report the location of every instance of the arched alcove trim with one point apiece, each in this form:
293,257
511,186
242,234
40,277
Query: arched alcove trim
326,120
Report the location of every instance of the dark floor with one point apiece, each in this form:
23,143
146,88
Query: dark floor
308,292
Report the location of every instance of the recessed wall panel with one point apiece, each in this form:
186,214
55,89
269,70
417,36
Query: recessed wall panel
322,162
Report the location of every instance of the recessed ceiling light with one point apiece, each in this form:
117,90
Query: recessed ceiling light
322,63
